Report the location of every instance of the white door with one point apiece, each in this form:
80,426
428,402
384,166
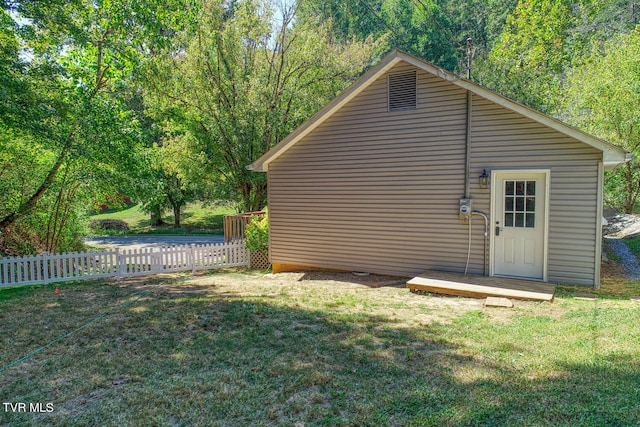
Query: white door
520,206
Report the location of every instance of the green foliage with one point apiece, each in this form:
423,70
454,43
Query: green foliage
55,226
541,42
168,101
530,54
205,218
634,245
602,98
257,234
166,185
64,107
421,28
228,96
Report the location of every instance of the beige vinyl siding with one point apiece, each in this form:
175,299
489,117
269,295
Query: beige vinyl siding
505,140
374,190
378,191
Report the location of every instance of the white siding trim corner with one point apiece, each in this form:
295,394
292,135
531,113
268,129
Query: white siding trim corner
599,214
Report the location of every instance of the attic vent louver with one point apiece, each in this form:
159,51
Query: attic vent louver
402,91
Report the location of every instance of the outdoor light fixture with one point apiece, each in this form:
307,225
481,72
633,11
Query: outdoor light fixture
484,179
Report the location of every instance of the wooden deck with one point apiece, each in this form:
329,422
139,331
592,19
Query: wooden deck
480,287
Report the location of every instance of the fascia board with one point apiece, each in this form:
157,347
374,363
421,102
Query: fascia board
612,154
262,164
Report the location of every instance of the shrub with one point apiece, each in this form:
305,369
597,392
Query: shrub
109,224
257,234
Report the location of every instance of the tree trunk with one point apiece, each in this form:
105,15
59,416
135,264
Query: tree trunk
31,203
253,196
156,218
631,187
245,193
176,216
258,196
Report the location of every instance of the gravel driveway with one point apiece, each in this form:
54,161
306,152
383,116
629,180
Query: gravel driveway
619,227
137,242
627,258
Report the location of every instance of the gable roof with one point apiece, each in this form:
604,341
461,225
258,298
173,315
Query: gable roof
612,154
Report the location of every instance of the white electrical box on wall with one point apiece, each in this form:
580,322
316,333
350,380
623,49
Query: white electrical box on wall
465,209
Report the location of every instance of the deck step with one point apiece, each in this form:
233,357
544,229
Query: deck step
481,287
498,302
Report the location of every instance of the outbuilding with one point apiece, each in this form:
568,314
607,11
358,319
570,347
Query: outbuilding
413,168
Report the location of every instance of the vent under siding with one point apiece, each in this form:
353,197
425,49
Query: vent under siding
403,91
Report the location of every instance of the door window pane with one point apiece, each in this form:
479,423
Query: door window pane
509,188
519,204
508,219
531,188
508,204
531,204
531,220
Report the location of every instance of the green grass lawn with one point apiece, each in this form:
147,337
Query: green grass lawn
240,348
634,245
196,218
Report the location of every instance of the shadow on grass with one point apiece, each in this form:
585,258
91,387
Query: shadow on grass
197,357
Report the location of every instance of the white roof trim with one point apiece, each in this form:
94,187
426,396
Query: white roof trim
262,164
612,154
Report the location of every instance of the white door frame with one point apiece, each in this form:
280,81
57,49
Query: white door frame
493,218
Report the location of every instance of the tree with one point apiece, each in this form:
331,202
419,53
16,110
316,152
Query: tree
602,97
349,19
169,192
67,135
238,82
167,183
530,55
79,53
542,40
420,27
481,20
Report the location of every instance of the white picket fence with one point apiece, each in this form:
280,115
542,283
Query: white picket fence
47,268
